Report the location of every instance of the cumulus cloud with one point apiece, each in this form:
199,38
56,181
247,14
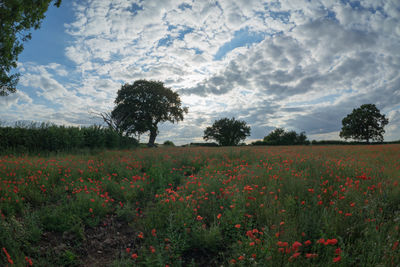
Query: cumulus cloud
19,97
301,64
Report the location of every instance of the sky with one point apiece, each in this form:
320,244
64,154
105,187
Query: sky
301,65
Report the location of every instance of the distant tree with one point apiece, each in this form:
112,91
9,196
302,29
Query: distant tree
17,17
301,139
280,137
227,132
168,143
275,137
364,123
142,105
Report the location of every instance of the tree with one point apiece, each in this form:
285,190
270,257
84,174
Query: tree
280,137
112,122
364,123
142,105
168,143
17,17
227,132
275,137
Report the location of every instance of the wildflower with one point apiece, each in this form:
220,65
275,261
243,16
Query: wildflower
338,251
8,256
237,226
91,210
134,256
28,261
140,235
296,245
241,258
337,259
282,244
307,243
153,232
199,218
311,255
331,241
219,216
128,250
395,245
295,255
152,249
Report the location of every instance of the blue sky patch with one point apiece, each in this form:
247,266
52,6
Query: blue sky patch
241,38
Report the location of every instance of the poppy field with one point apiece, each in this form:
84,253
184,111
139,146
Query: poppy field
193,206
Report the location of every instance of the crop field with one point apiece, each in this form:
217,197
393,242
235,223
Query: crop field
234,206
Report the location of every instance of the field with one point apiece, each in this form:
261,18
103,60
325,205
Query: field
258,206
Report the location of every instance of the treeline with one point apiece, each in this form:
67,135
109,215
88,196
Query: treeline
339,142
37,137
280,137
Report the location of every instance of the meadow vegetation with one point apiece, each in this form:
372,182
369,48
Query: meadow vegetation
175,206
48,138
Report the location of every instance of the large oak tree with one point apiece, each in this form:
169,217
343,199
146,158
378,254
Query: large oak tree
141,106
364,123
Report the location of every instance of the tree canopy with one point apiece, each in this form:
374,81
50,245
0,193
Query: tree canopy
281,137
142,105
227,132
364,123
17,17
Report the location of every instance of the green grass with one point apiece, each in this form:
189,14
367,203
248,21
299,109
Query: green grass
258,206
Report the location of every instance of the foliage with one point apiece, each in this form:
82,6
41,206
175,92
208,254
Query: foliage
256,206
168,143
227,132
204,144
142,105
364,123
17,17
42,137
281,137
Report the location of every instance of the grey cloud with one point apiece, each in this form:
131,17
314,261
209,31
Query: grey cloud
319,121
295,109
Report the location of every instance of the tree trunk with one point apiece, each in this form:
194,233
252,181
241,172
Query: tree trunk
152,138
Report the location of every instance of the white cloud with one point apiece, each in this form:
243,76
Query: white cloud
319,59
19,97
